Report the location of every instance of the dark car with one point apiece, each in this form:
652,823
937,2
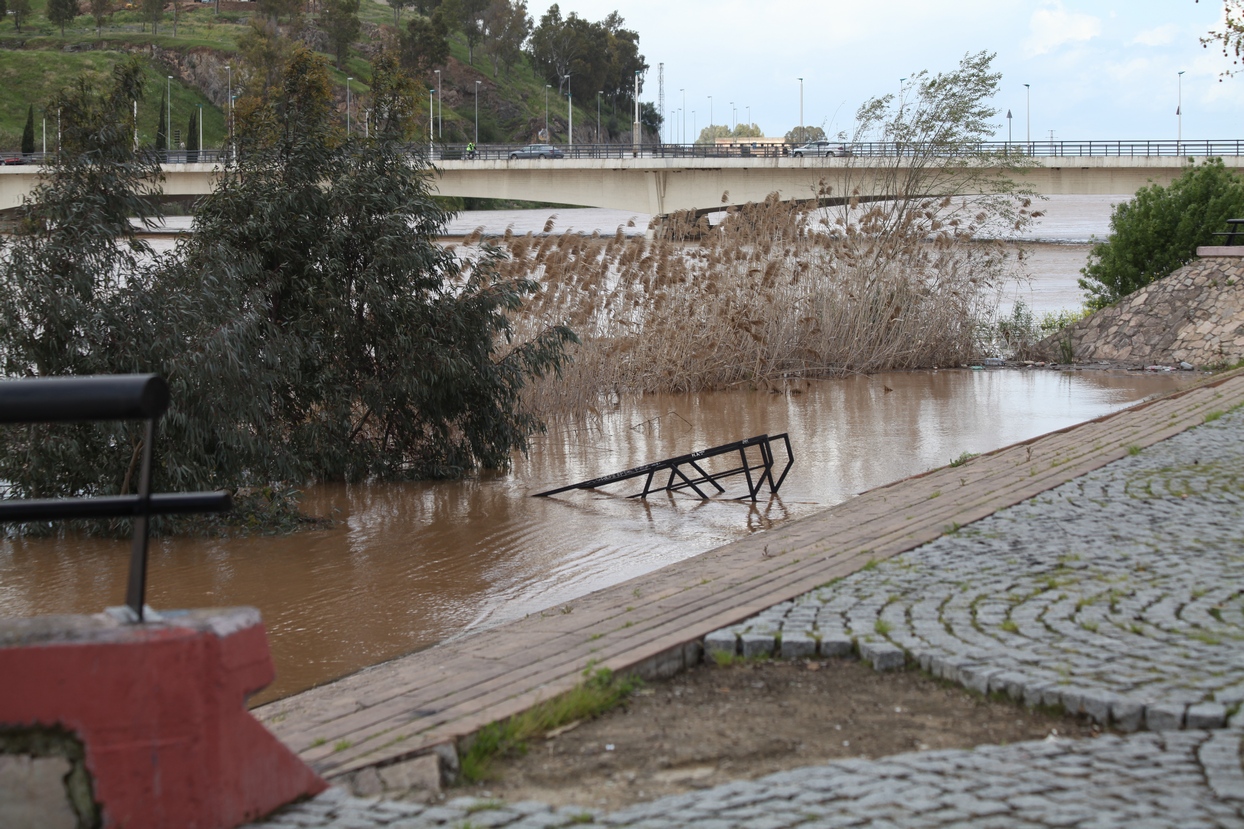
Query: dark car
538,151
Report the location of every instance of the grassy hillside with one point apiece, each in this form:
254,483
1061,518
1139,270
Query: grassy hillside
37,61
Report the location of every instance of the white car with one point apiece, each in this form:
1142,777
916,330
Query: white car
819,149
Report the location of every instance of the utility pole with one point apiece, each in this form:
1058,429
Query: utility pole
1179,113
635,130
661,96
440,121
1028,117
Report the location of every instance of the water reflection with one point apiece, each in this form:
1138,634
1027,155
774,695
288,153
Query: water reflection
412,564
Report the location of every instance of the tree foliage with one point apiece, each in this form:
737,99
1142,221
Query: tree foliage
710,134
1159,230
598,57
310,329
28,132
153,12
62,12
70,303
424,45
192,138
340,21
802,135
1230,39
506,28
20,9
100,10
161,136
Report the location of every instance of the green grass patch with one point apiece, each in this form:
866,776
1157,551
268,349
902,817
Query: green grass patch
599,692
1133,449
1210,417
963,458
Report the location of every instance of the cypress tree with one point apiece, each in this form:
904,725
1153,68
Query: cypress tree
162,130
192,139
28,134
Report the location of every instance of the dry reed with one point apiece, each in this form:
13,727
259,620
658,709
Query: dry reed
777,291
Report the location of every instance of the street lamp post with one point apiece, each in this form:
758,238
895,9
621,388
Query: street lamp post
684,115
168,117
440,120
1028,117
710,115
229,104
801,135
569,114
547,87
348,106
637,134
1179,112
1008,131
732,115
477,116
430,125
598,94
199,147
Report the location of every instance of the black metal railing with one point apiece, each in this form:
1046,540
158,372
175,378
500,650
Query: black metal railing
1235,228
114,397
699,476
743,149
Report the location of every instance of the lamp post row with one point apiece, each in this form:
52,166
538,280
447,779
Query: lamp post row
438,127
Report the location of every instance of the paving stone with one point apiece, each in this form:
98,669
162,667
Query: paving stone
1164,717
754,645
797,646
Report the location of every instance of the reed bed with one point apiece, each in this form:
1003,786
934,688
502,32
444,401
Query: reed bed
776,293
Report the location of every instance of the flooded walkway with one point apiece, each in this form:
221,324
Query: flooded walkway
652,623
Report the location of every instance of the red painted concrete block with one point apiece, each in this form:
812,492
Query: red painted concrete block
160,710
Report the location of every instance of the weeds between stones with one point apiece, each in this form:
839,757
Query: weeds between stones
600,691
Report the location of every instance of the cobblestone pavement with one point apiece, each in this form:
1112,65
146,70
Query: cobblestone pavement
1119,595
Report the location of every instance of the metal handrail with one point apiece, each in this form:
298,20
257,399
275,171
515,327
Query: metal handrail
680,480
109,397
743,148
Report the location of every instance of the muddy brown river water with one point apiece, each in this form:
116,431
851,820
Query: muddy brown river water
410,565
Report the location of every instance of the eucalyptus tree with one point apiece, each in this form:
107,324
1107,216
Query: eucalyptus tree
361,347
70,302
310,329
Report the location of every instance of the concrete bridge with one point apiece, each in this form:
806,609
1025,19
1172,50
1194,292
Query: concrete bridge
663,185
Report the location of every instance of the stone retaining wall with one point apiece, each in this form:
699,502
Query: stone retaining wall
1195,315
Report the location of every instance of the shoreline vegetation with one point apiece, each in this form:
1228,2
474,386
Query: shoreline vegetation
315,332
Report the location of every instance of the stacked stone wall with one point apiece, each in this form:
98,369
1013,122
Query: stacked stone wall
1195,316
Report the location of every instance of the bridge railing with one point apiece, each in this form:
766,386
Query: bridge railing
884,149
747,150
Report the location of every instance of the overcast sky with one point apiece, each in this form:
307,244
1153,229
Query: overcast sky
1098,69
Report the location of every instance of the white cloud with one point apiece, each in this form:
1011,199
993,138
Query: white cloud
1160,36
1053,26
